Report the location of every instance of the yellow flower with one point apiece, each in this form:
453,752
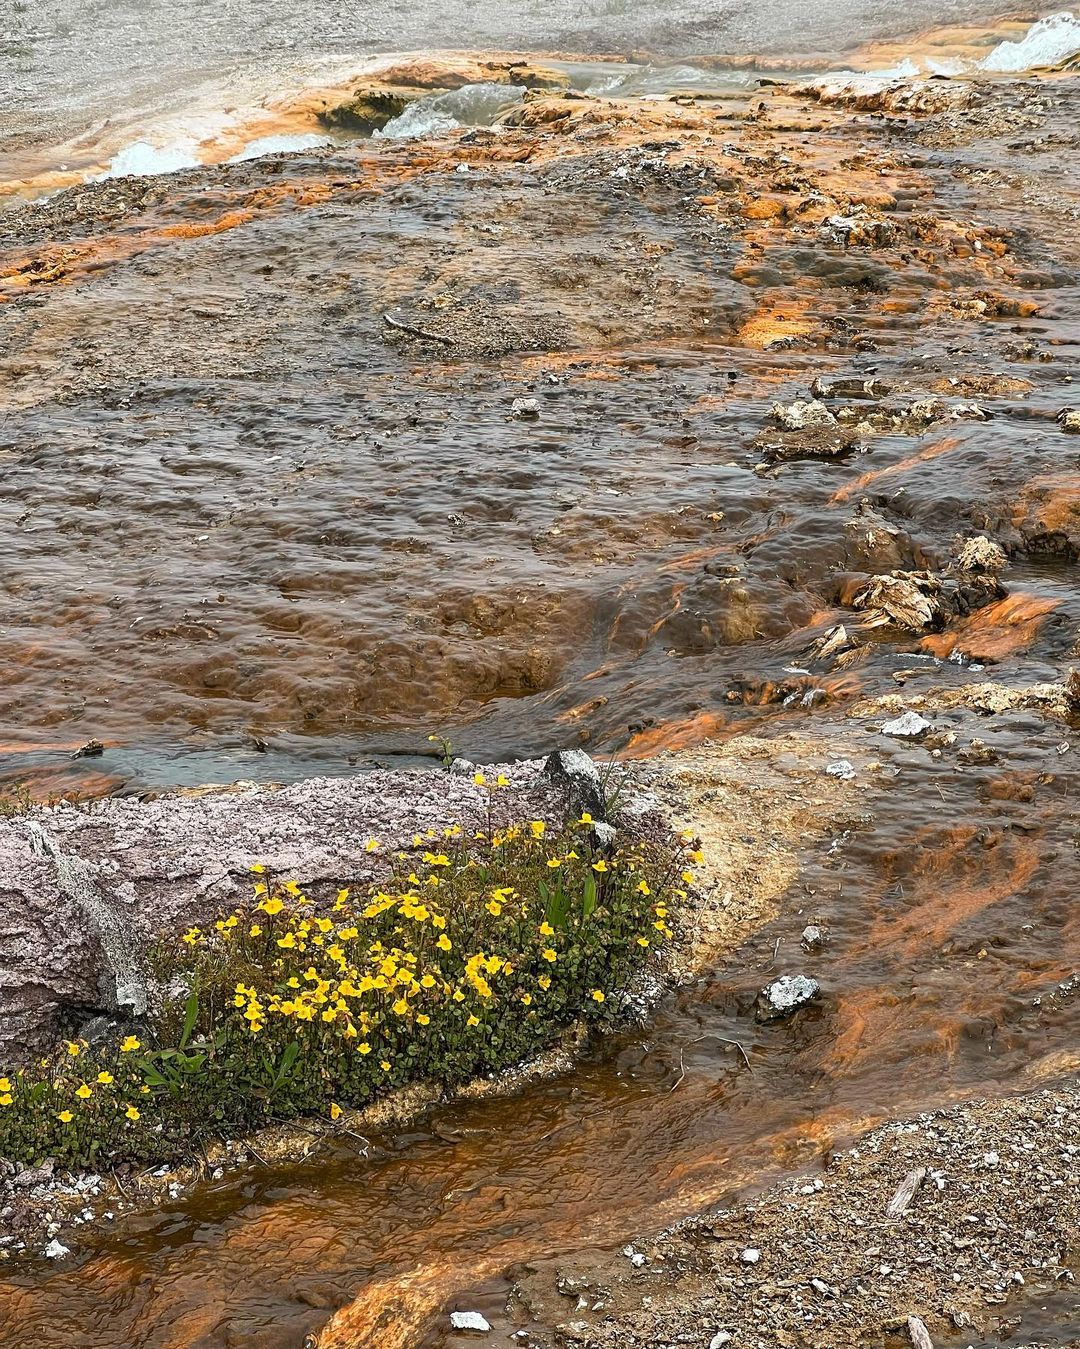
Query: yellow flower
254,930
479,779
292,888
600,866
586,818
544,980
444,943
458,996
372,845
106,1079
549,955
335,1110
493,908
132,1113
473,1021
428,981
697,857
643,941
423,1020
72,1048
554,862
65,1117
363,1047
5,1085
84,1093
287,942
688,877
502,781
546,930
537,828
597,995
258,868
6,1100
643,888
401,1007
384,1065
271,906
526,998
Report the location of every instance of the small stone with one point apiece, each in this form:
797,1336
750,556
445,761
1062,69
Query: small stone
1069,421
812,937
55,1250
470,1321
819,1286
909,726
842,769
719,1340
525,409
750,1256
786,995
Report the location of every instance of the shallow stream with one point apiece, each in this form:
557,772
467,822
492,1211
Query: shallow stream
249,533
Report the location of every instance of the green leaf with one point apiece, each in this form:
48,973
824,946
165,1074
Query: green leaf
588,896
191,1015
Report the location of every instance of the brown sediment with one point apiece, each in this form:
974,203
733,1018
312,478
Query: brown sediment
866,480
995,632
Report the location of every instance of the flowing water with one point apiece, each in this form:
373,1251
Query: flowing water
251,531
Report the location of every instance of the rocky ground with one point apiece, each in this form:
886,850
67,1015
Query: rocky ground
946,1217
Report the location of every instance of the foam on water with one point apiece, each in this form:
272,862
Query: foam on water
277,145
1050,42
143,158
471,105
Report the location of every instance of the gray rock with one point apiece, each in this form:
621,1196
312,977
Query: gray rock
464,768
842,769
161,865
802,415
1069,420
525,409
578,775
908,726
786,995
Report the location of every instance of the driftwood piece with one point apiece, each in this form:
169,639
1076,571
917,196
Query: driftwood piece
920,1336
413,331
905,1193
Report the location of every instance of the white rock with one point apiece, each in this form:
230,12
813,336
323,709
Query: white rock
55,1250
719,1340
909,726
525,408
750,1256
469,1321
842,769
802,415
785,995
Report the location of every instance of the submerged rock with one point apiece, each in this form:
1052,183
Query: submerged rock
786,995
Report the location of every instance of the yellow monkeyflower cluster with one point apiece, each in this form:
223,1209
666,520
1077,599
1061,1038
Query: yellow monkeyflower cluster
465,953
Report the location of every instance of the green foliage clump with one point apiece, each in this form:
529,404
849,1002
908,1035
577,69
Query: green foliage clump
471,955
